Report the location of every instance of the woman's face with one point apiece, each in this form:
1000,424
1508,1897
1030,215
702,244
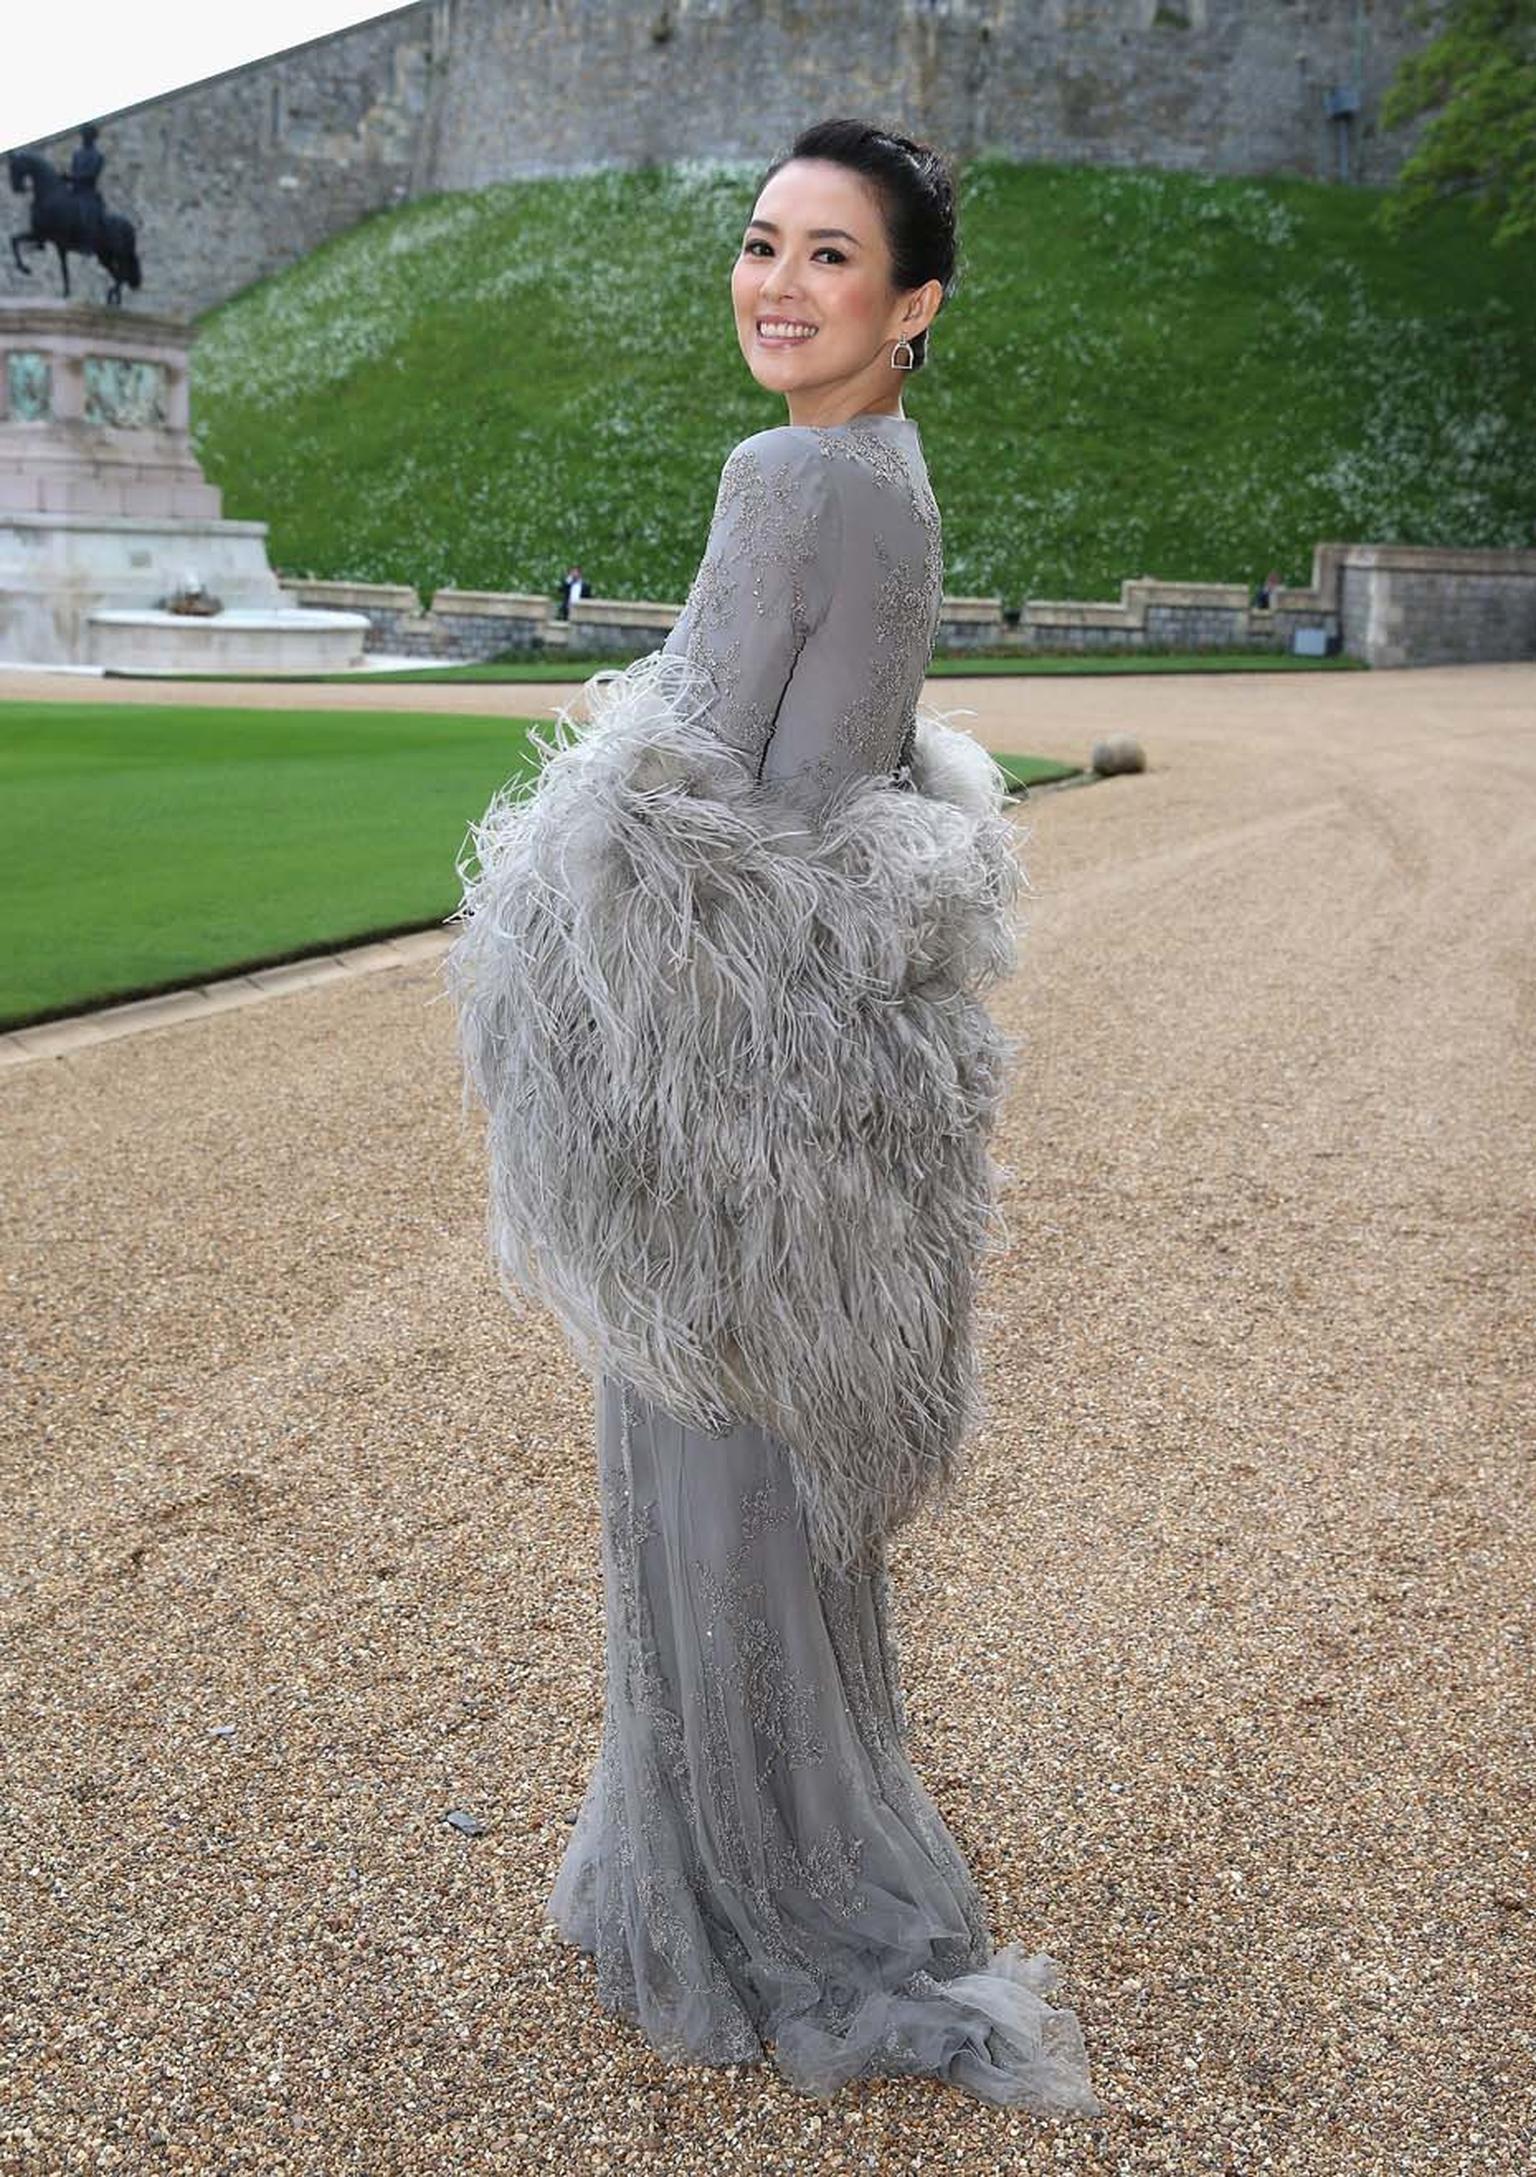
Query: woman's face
815,256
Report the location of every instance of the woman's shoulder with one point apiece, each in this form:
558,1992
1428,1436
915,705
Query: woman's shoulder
862,469
781,468
784,449
836,483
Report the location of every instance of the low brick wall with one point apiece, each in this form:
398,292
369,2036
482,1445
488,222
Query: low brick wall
389,607
483,623
460,627
971,623
1391,604
618,624
463,626
1172,616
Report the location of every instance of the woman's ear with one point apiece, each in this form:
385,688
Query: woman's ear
920,310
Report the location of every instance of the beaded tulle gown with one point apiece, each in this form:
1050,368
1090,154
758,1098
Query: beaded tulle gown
756,1859
719,993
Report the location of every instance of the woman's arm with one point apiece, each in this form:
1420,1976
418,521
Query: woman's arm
764,585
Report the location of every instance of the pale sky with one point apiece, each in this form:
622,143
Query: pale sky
87,58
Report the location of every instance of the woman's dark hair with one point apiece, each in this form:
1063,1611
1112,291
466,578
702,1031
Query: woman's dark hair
915,189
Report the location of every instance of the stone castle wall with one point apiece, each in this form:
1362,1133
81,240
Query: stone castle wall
233,178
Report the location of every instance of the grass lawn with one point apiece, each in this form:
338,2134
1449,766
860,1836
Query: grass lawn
144,847
952,665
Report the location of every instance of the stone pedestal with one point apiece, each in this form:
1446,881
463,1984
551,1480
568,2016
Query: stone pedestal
103,506
93,413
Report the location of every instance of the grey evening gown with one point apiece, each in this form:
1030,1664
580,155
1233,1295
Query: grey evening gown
755,1867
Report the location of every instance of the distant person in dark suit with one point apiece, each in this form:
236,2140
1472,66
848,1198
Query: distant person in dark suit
573,586
1264,595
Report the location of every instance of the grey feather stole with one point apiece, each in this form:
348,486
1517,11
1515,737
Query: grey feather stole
741,1084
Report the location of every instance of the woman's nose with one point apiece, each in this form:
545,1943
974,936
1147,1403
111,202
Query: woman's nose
781,279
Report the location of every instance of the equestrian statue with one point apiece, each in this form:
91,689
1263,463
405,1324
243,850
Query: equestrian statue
68,212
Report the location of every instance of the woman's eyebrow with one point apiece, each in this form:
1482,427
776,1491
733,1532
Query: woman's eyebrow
817,234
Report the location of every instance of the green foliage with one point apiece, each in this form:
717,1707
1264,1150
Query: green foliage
1140,373
1478,75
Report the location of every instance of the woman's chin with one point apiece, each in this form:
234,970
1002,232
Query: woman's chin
775,370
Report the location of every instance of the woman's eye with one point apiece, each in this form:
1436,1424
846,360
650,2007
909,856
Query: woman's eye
827,249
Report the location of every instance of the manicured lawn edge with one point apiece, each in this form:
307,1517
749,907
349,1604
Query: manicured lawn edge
952,665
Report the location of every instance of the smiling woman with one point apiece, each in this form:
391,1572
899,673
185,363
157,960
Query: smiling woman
721,987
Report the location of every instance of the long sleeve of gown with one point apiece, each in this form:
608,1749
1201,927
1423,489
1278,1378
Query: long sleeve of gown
764,585
719,983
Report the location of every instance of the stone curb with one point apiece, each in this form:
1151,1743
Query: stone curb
79,1031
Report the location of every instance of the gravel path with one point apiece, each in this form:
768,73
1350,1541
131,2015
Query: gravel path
1221,1671
519,698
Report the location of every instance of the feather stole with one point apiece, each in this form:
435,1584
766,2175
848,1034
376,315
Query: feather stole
740,1081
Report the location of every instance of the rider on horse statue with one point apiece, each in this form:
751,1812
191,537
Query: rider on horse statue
84,173
67,212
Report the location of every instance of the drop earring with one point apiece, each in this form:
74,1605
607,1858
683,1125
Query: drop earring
911,361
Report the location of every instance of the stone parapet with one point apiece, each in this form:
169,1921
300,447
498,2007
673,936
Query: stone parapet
619,624
351,596
493,604
1155,615
1388,604
483,623
970,623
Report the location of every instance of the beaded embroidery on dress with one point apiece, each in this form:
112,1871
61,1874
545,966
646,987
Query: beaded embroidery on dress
720,986
803,514
755,1862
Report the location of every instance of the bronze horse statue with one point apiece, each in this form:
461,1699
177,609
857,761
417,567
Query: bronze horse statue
72,220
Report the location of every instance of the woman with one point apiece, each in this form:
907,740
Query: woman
718,985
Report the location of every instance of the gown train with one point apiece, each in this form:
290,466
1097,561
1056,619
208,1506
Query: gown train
755,1860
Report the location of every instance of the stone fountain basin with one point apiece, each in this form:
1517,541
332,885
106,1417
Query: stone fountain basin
241,639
